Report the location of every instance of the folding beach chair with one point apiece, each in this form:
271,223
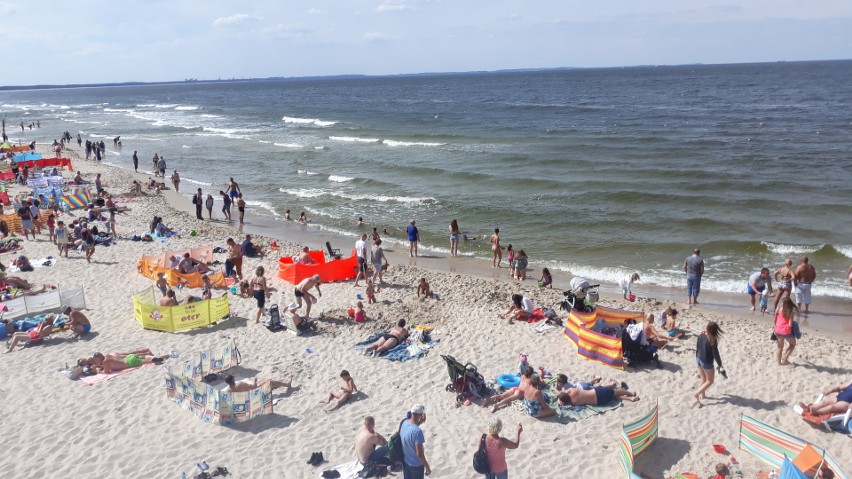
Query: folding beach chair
829,422
334,253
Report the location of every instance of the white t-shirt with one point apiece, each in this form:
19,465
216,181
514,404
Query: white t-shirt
527,305
361,248
626,282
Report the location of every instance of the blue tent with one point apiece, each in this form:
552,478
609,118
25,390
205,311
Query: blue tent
790,471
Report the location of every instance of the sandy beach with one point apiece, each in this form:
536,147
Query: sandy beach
127,427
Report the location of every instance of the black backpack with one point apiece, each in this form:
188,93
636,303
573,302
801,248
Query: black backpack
395,446
480,458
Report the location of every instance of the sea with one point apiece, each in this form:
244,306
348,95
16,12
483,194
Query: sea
596,172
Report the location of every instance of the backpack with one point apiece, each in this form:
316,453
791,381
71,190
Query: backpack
274,321
395,446
480,458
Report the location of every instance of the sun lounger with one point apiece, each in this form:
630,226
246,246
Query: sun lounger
829,422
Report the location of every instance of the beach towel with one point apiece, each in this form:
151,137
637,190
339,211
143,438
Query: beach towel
99,378
348,470
407,351
542,328
537,315
36,263
571,413
167,235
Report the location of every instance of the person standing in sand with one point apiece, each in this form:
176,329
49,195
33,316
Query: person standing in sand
241,206
784,280
414,464
495,449
208,203
694,268
135,161
496,249
235,258
380,262
176,181
413,239
260,291
784,331
302,291
198,201
155,162
707,351
805,276
361,254
226,205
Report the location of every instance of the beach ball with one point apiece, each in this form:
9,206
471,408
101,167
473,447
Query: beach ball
193,233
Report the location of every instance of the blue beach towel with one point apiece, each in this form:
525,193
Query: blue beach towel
404,352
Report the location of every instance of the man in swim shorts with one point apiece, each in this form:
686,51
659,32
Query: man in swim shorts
233,188
302,291
77,322
597,396
805,276
757,282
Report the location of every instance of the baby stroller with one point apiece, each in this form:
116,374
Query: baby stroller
581,297
635,353
465,381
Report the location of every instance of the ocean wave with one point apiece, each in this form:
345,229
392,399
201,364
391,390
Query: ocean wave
51,106
307,121
207,115
119,110
263,204
157,105
306,172
187,108
792,248
288,145
355,139
195,182
339,179
410,143
845,250
185,146
315,192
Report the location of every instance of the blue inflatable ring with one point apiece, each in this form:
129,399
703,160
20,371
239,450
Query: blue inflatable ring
509,380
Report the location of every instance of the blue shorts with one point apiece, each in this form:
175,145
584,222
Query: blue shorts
693,285
751,290
604,395
87,328
703,365
673,332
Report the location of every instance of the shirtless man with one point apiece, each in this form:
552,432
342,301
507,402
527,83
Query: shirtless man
235,257
302,291
597,396
244,385
305,257
371,446
117,362
424,289
169,299
343,394
233,189
805,276
496,249
77,322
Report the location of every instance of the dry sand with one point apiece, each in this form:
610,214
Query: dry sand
126,427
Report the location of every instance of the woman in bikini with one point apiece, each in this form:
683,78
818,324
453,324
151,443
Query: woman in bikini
259,290
33,336
783,281
388,340
454,237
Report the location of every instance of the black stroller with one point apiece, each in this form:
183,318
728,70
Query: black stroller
465,381
635,353
581,297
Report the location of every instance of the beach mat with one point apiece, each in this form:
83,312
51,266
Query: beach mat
99,378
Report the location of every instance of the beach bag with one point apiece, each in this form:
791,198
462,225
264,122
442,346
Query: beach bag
274,321
480,458
395,446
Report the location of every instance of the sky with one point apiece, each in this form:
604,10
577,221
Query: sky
98,41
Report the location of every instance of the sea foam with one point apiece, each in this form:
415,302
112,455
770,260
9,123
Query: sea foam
307,121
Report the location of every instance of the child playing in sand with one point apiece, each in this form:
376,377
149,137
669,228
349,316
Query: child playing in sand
370,292
423,288
162,284
546,280
722,471
360,316
627,282
51,227
61,235
343,394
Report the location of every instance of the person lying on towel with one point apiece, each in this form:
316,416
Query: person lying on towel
118,361
597,396
248,384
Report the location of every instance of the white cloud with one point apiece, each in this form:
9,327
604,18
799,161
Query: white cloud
393,7
315,11
7,8
234,19
375,37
